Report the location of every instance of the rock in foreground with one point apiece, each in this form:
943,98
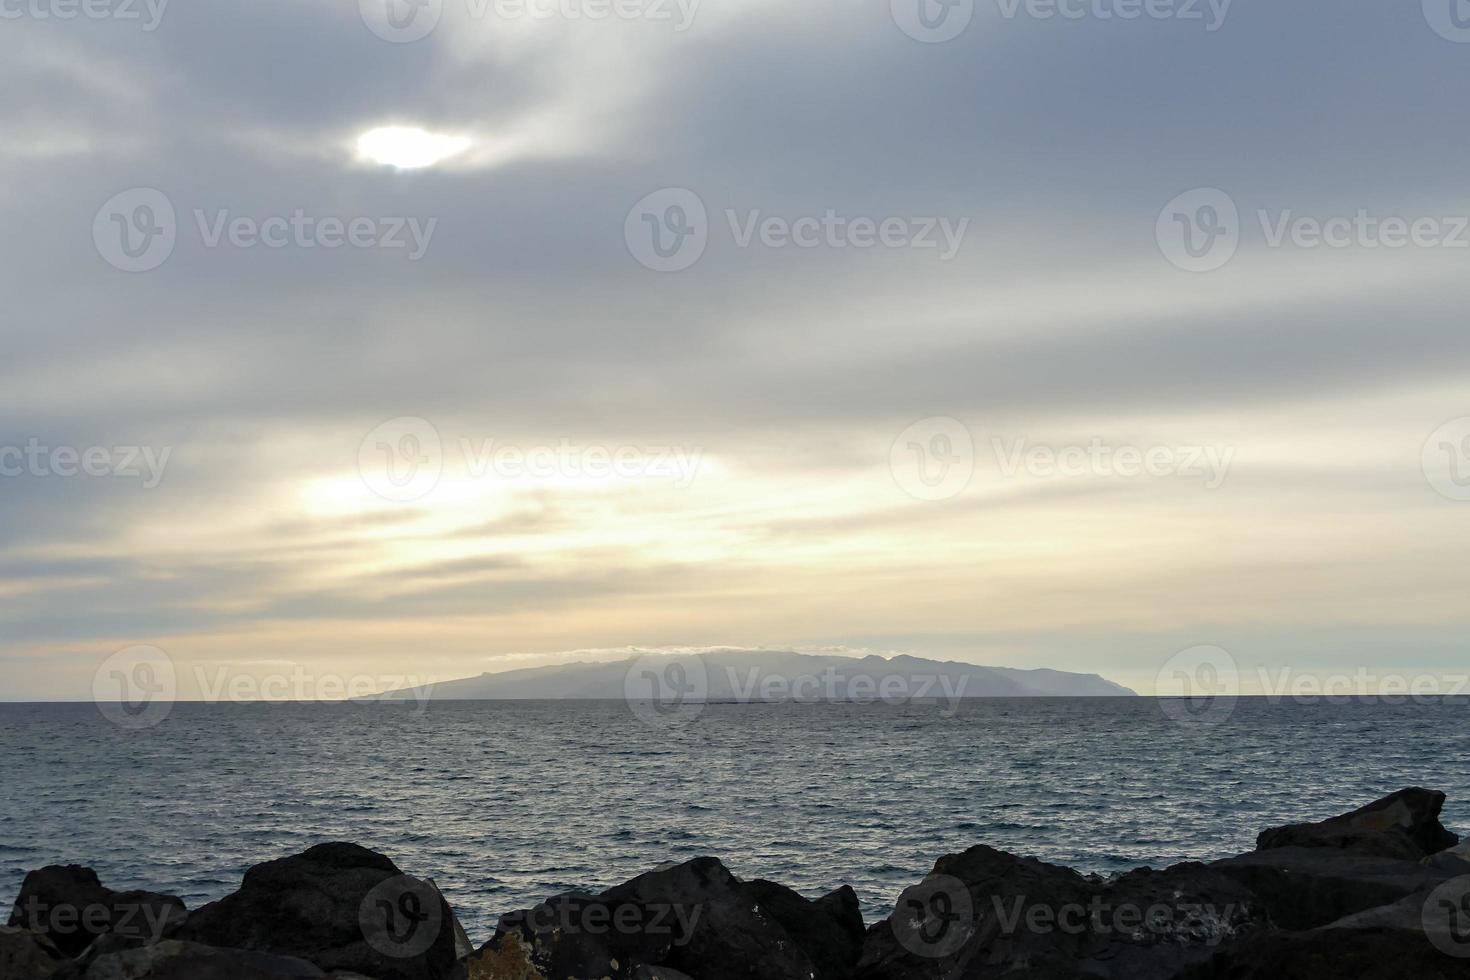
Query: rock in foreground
1381,893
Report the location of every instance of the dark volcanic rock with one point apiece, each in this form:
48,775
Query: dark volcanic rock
1404,825
25,954
70,906
341,907
829,930
1417,938
695,919
172,960
1307,887
986,913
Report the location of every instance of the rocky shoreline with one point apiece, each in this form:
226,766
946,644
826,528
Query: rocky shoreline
1382,892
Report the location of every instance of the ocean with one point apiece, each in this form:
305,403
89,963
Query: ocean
506,803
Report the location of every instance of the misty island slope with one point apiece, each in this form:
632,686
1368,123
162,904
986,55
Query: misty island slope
1381,893
759,676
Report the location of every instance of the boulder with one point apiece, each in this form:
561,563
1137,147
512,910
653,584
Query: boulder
1307,887
71,907
1403,825
341,907
25,954
986,913
1416,938
694,919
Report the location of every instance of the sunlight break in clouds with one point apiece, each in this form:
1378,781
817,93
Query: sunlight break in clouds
407,147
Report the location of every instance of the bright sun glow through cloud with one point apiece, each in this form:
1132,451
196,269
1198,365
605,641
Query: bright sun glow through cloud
407,147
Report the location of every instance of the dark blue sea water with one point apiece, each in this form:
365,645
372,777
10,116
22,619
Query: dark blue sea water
506,803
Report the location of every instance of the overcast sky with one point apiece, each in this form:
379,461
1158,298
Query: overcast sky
563,385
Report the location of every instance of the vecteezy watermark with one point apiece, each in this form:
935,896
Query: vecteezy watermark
1201,686
145,463
1200,230
1362,684
1446,459
666,691
406,21
403,459
669,230
147,13
932,21
244,684
570,915
1446,917
402,917
933,459
1210,13
135,688
936,21
935,918
1450,19
1198,687
833,685
1210,464
1208,923
137,230
144,922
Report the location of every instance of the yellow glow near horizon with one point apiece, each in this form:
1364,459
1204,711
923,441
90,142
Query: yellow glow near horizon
408,147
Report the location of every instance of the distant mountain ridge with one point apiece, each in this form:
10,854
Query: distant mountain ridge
766,676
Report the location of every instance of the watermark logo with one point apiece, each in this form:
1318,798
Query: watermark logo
34,459
1199,231
1211,13
136,230
1198,687
834,685
1209,464
574,915
1446,459
135,688
1450,19
668,230
932,21
401,21
401,917
143,922
149,13
1362,685
1446,917
933,459
666,691
402,459
935,918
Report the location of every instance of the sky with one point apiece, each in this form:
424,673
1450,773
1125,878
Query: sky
381,340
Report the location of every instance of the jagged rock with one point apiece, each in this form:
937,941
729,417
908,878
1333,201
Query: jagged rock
1403,825
830,930
1392,942
985,913
70,906
1307,887
694,918
26,954
341,907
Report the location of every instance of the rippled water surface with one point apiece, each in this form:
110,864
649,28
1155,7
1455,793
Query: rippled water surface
506,803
